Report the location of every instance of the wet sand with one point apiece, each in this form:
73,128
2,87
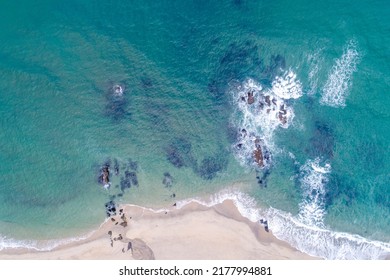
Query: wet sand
194,231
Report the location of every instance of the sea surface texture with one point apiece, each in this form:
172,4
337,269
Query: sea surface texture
280,105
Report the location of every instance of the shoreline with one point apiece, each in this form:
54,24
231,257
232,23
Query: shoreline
193,231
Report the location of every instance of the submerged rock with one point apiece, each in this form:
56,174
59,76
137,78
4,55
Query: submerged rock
146,82
125,184
116,167
178,153
118,90
322,142
211,165
116,106
262,181
131,176
168,180
132,165
240,59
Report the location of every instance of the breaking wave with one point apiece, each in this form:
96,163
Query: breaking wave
287,86
336,88
312,240
324,243
258,113
38,245
313,181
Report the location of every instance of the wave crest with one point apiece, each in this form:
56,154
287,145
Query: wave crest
336,88
258,113
287,86
311,240
313,181
324,243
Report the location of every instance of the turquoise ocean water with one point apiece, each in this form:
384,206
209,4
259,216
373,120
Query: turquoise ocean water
184,128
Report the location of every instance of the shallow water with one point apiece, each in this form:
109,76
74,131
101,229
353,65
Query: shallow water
183,68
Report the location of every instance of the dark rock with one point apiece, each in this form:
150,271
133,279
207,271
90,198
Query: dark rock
240,60
146,82
116,167
258,157
116,107
168,180
267,156
210,166
322,142
131,176
107,163
133,165
125,184
258,154
213,87
263,179
175,157
104,177
110,208
268,100
178,153
251,98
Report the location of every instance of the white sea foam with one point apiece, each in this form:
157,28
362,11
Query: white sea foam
287,86
336,88
324,243
256,120
313,186
245,204
312,240
38,245
309,239
315,62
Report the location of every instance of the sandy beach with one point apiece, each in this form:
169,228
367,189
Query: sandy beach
191,232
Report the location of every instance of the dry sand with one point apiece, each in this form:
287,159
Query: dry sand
191,232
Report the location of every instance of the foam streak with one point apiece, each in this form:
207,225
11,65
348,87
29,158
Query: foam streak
339,80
